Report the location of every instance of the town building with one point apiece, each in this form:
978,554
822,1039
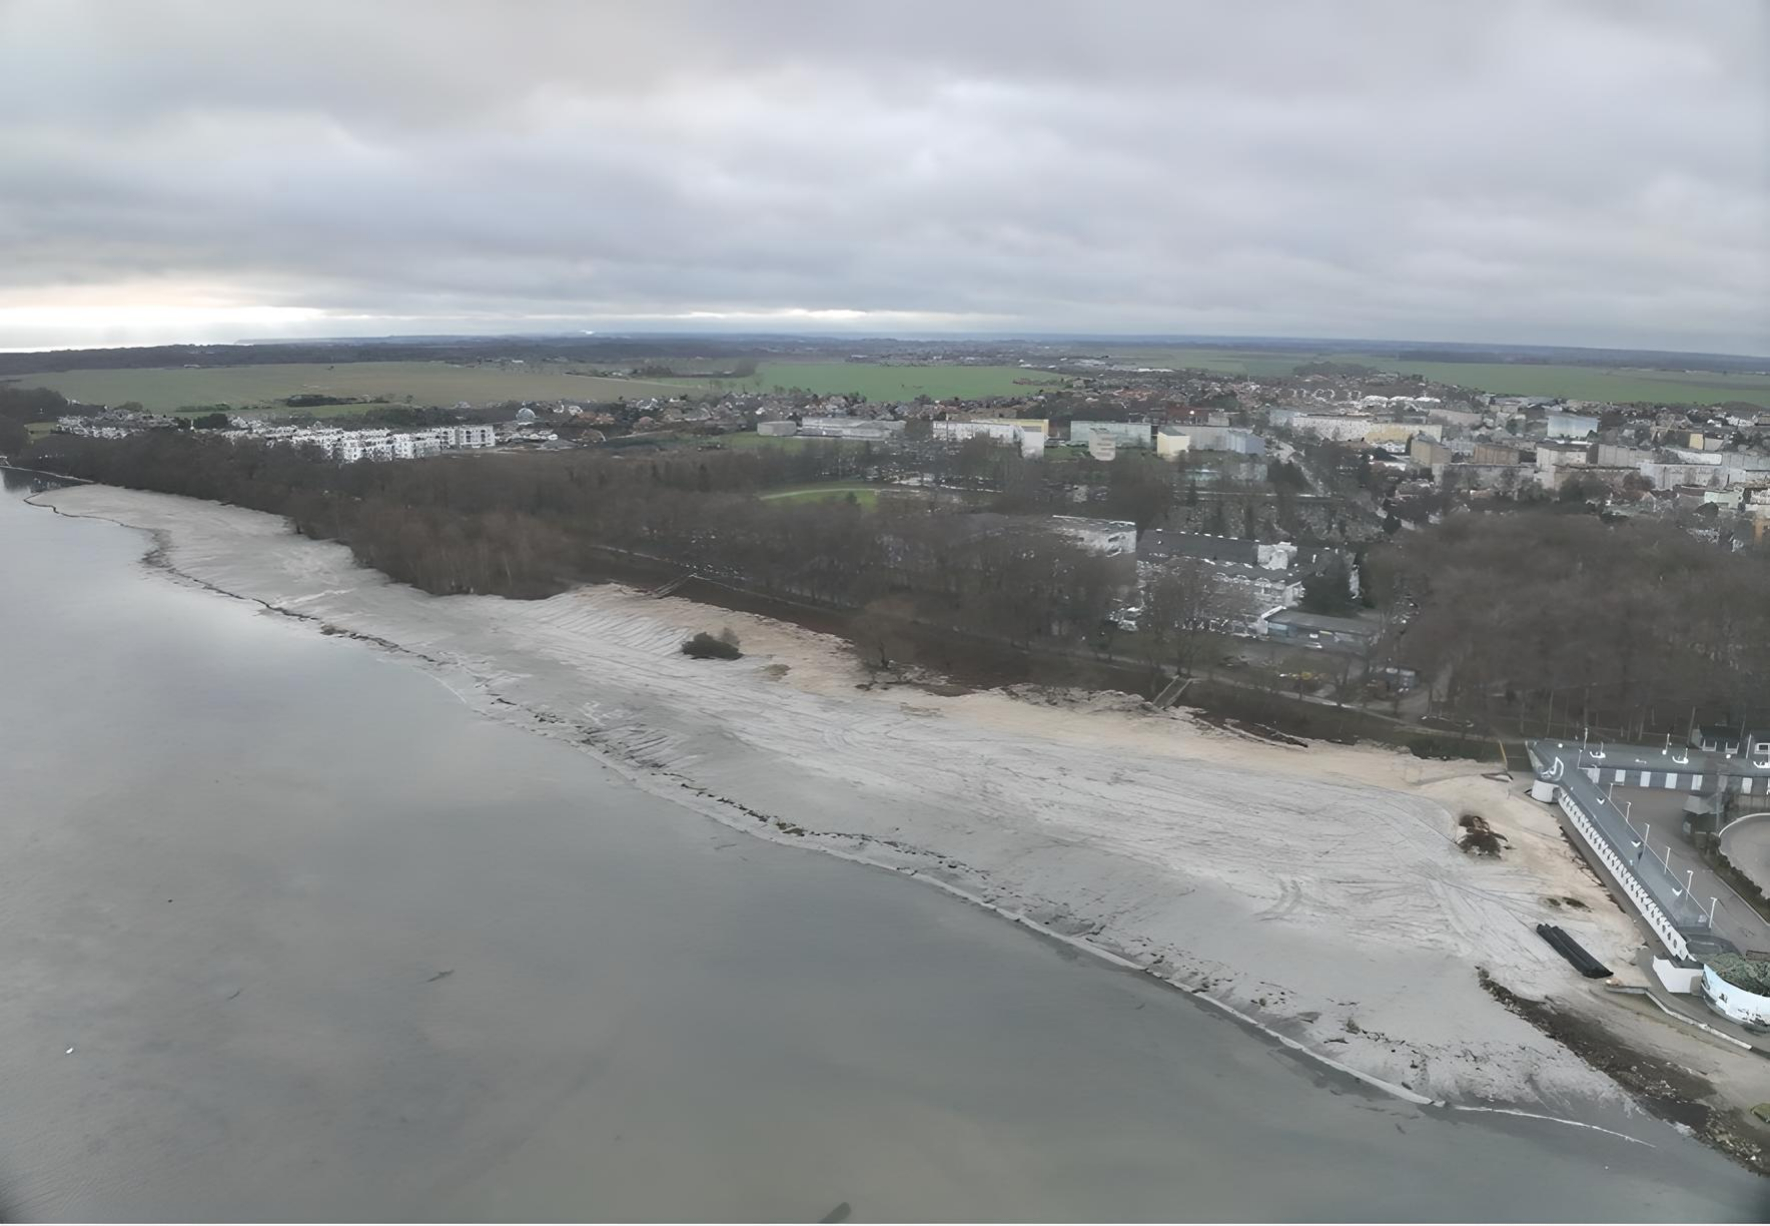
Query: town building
1692,497
1666,476
1615,455
1333,427
1463,419
1171,443
1138,434
1265,576
1569,425
1586,474
1221,438
468,437
350,446
1560,454
1108,537
1402,432
1428,452
858,429
1031,426
1030,442
1495,453
1316,630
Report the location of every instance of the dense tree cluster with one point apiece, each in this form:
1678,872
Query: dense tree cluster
530,525
19,405
1529,617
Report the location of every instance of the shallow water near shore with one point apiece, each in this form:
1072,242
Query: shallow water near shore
327,944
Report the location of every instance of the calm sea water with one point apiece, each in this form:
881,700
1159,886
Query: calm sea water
326,944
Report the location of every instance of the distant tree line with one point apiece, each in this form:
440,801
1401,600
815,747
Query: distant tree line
19,405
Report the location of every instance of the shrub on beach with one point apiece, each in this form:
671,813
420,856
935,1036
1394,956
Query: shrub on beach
704,646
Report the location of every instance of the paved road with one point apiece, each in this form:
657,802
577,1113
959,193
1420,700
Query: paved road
1748,846
1663,812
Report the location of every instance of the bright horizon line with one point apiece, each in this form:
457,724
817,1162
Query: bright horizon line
1031,336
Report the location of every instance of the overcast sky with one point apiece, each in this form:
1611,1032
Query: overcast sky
1566,173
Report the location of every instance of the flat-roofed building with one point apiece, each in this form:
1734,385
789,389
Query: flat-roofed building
1428,452
1170,443
1495,453
1224,438
1122,433
1569,425
1031,443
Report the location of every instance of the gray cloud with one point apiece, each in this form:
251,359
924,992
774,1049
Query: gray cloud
1582,173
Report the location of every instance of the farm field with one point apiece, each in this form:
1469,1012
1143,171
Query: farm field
1228,361
1621,385
1594,382
165,389
878,382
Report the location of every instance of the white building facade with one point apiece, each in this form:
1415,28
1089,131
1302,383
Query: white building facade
1030,442
1122,433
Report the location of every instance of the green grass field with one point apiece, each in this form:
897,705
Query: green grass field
826,491
1622,385
749,440
170,389
437,383
167,390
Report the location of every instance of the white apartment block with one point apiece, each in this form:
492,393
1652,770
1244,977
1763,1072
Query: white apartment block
1030,442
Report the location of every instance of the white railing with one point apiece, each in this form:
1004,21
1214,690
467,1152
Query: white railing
1638,894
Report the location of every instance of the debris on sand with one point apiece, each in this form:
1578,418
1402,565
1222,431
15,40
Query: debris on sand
1667,1090
1480,839
1248,728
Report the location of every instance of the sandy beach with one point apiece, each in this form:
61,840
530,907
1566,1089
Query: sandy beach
1317,890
